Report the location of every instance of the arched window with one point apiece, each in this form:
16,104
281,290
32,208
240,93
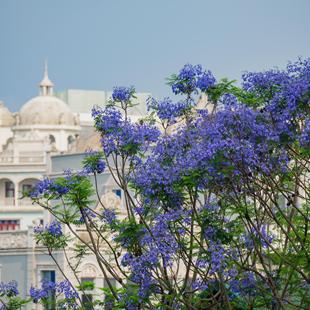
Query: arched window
70,141
9,189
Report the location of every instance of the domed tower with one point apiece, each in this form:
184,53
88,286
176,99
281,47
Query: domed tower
6,122
48,118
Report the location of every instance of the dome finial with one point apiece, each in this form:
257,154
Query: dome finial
45,68
46,85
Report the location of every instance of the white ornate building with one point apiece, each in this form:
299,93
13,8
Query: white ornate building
45,137
43,126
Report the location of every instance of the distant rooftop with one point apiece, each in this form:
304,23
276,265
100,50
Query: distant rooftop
82,101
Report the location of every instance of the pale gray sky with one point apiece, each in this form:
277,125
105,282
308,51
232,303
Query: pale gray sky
97,44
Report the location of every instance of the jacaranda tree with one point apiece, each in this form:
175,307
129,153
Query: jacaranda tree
216,198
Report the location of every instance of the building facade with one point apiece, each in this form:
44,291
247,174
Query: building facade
49,134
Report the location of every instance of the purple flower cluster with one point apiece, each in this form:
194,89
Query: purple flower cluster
222,153
189,180
67,289
191,78
122,94
87,213
247,285
260,235
304,139
49,288
9,289
93,162
54,229
37,294
205,81
109,216
217,254
199,285
141,272
42,187
48,187
121,136
235,143
166,109
229,100
160,247
285,93
107,120
263,81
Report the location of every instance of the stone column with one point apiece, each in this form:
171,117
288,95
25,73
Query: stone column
31,263
16,194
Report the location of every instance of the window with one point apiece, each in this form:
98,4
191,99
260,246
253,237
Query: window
49,275
117,192
52,139
26,188
87,285
70,140
87,300
9,225
108,303
9,189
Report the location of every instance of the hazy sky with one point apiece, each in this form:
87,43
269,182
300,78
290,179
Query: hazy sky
97,44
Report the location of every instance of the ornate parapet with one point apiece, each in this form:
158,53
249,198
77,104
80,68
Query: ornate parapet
13,239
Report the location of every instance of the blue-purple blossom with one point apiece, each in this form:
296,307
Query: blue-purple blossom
205,81
285,91
122,136
260,235
49,288
48,187
87,213
54,229
210,232
191,78
126,259
93,162
122,93
109,216
42,187
246,285
304,139
166,109
199,285
228,154
108,120
217,254
67,289
9,289
229,99
37,294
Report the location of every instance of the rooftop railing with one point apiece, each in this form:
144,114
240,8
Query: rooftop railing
32,159
11,239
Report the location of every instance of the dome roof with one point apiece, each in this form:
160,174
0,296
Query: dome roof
6,117
46,110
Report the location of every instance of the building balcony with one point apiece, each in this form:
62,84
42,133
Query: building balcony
13,239
12,202
11,193
8,201
18,160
